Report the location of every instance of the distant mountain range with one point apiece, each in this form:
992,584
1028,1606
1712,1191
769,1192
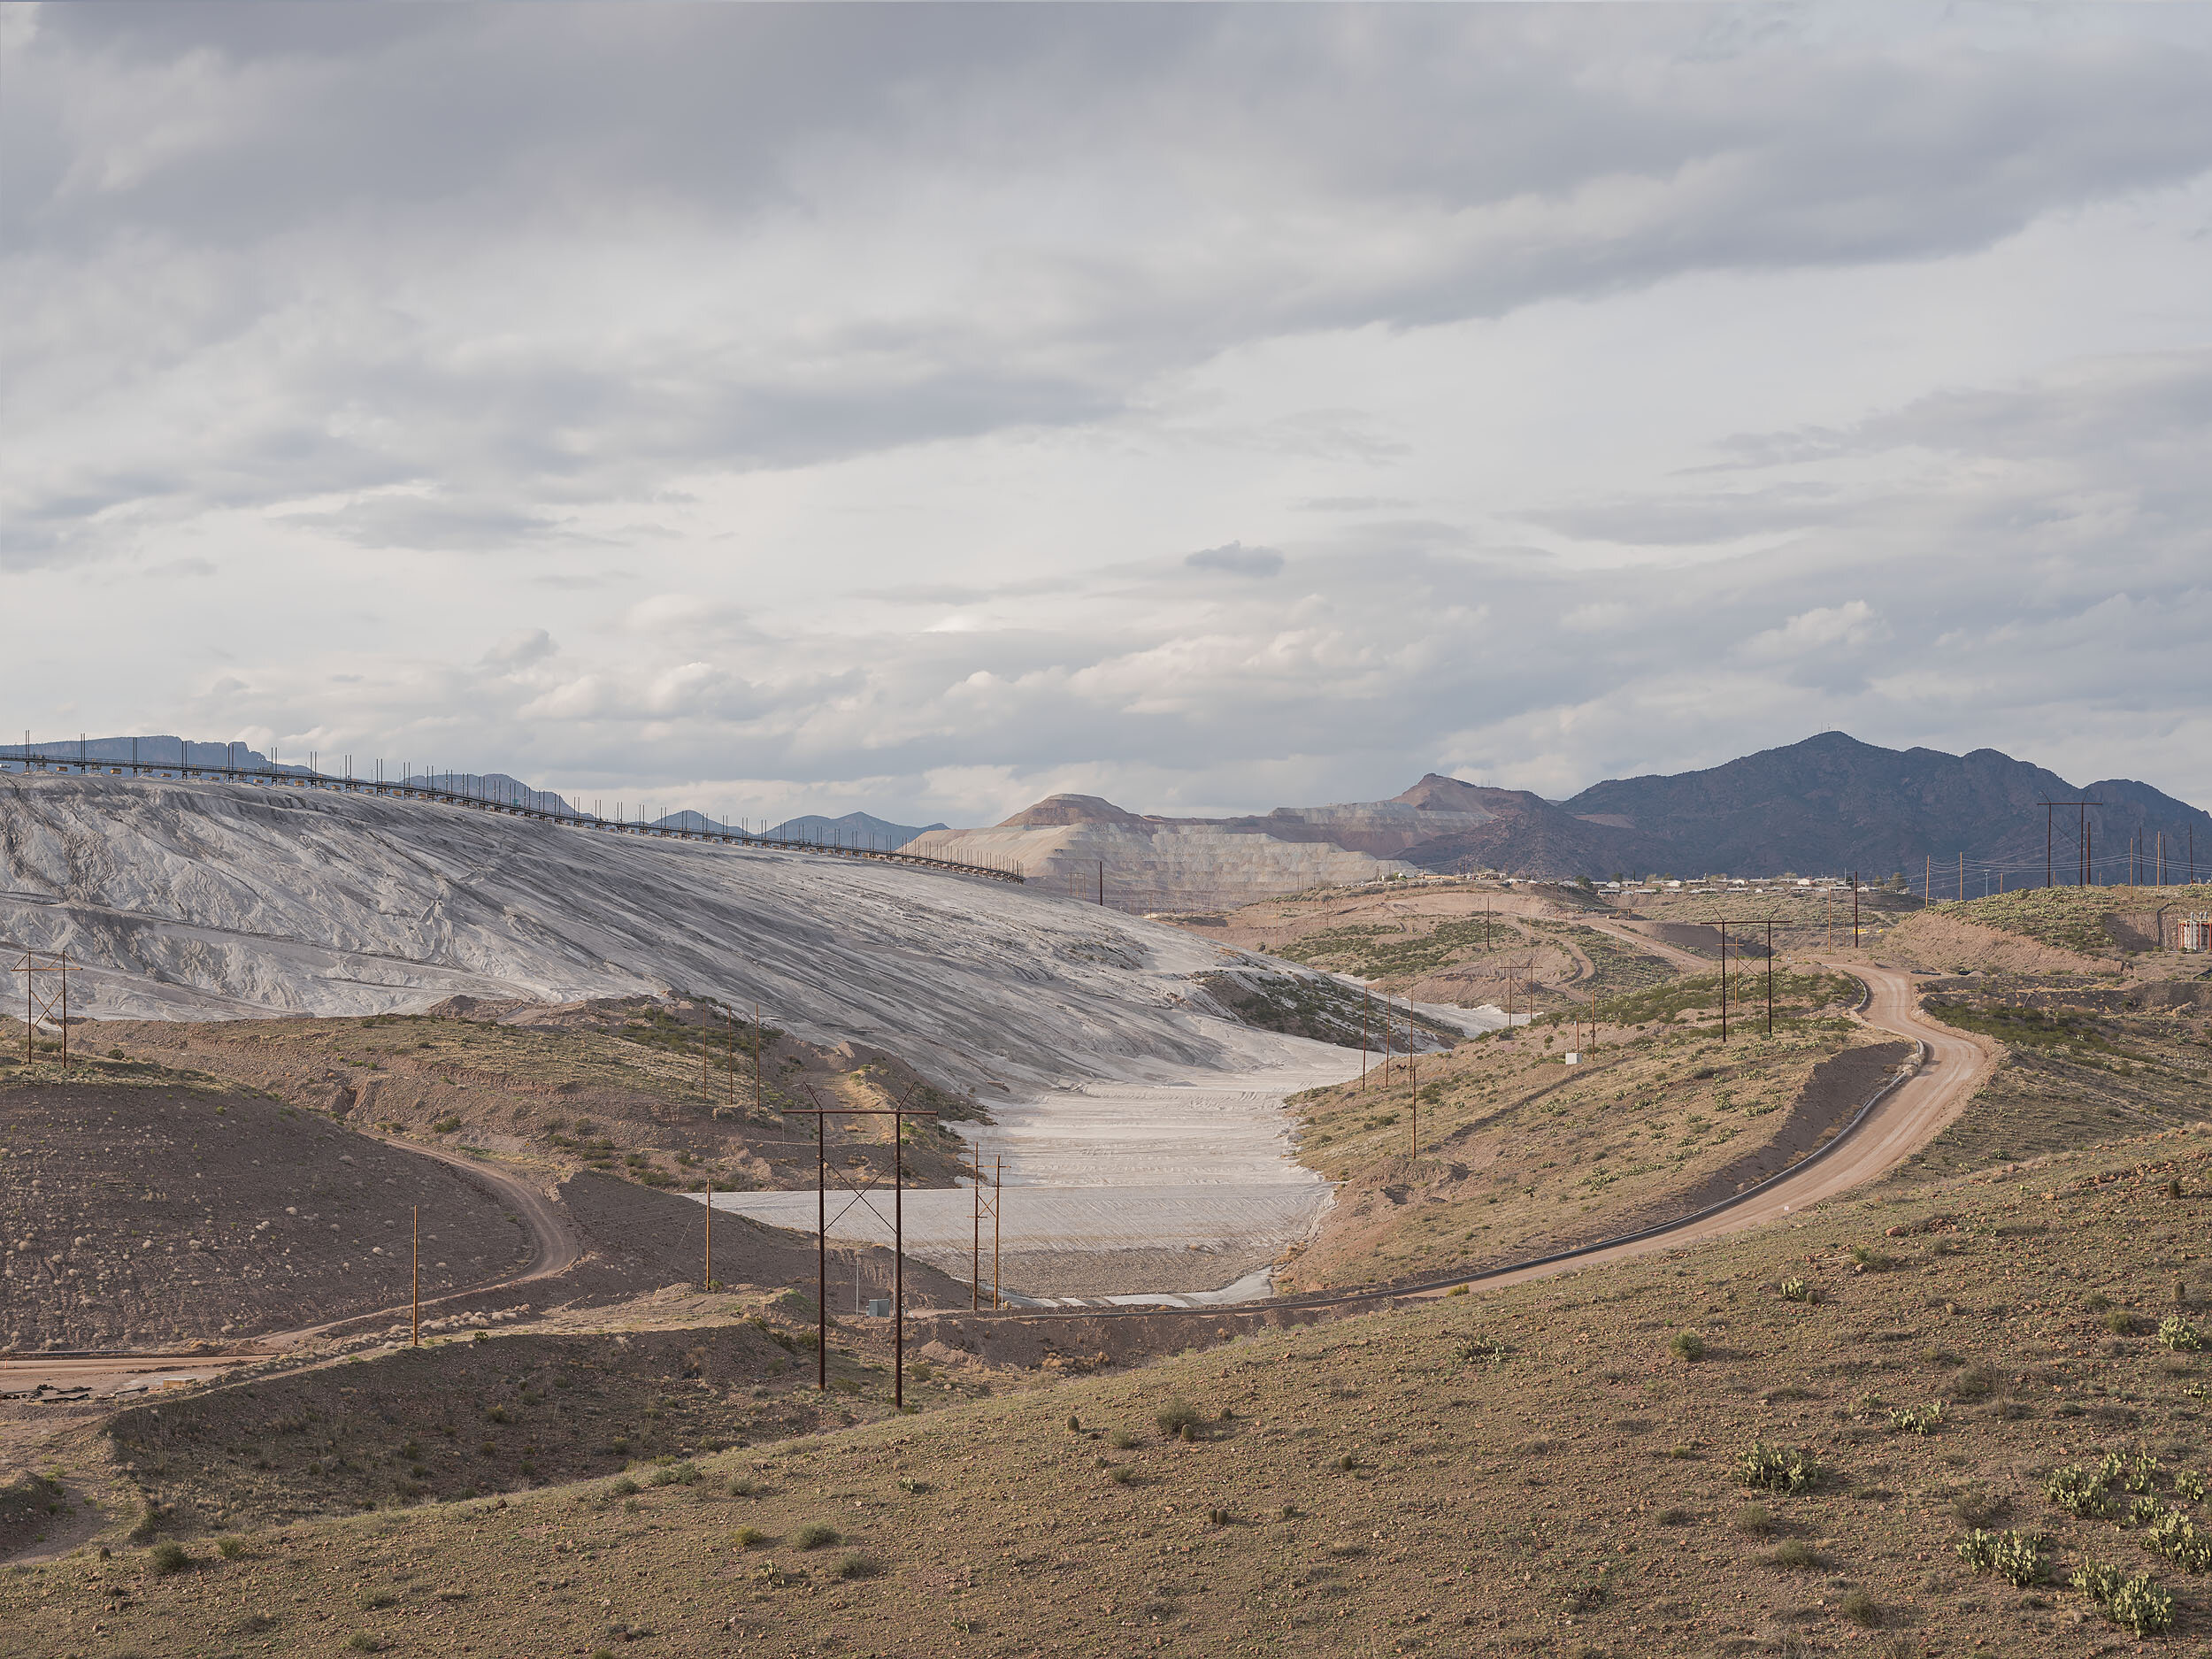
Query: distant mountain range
1828,805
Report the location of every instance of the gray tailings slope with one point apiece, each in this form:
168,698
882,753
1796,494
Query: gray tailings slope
223,901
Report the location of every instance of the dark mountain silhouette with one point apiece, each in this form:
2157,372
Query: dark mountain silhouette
1832,804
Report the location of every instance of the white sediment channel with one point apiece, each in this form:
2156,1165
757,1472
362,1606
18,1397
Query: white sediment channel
1203,1164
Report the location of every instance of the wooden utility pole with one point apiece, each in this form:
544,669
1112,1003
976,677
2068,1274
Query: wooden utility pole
758,1102
707,1282
415,1319
1961,875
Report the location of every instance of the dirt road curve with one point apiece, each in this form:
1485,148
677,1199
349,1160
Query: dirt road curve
555,1248
1908,1119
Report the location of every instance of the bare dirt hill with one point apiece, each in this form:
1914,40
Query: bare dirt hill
158,1213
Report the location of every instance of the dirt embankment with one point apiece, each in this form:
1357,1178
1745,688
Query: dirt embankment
1935,943
156,1215
459,1419
1824,1106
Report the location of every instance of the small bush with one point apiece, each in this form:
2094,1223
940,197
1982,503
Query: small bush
2096,1301
817,1535
1754,1520
150,1520
2134,1604
913,1484
1916,1419
1794,1553
2188,1483
686,1474
857,1565
1686,1345
1861,1609
1481,1350
2120,1322
230,1548
1123,1474
363,1641
749,1538
1777,1468
2140,1472
1122,1440
1799,1289
2179,1334
2175,1536
2013,1556
2078,1491
743,1486
1975,1382
623,1487
167,1557
1177,1416
1673,1517
1870,1260
445,1125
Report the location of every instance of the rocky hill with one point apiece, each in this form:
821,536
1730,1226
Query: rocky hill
1834,804
1827,805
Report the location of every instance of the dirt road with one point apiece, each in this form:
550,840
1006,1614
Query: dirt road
1909,1117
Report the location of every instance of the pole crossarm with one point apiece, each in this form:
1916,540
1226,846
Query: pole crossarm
44,1002
822,1115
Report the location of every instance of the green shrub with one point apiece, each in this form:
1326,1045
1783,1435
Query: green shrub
2141,1606
2096,1301
857,1565
685,1474
2179,1335
1975,1382
1121,1440
2078,1491
1777,1468
1754,1520
2175,1536
1480,1350
2139,1473
1861,1609
743,1486
2013,1556
749,1537
1686,1345
623,1487
2188,1483
1916,1419
1794,1553
1177,1416
150,1520
230,1548
817,1535
445,1125
2120,1322
2097,1581
1797,1288
1870,1260
913,1484
1123,1474
2143,1511
167,1557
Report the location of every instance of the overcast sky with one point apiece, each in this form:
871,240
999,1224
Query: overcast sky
926,409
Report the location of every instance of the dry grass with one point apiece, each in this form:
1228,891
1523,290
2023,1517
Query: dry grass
1362,1486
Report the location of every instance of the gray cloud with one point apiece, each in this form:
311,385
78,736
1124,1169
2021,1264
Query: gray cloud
1236,559
857,356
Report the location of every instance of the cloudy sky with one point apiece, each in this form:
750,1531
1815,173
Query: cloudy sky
924,409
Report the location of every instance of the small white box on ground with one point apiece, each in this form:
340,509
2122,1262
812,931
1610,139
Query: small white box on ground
1572,1059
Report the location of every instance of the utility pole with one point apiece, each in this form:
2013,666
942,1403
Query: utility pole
1962,876
707,1283
898,1115
1101,882
1770,979
1854,910
1723,982
416,1320
998,1195
1366,1001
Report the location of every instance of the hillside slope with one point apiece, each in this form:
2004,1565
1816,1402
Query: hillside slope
219,900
